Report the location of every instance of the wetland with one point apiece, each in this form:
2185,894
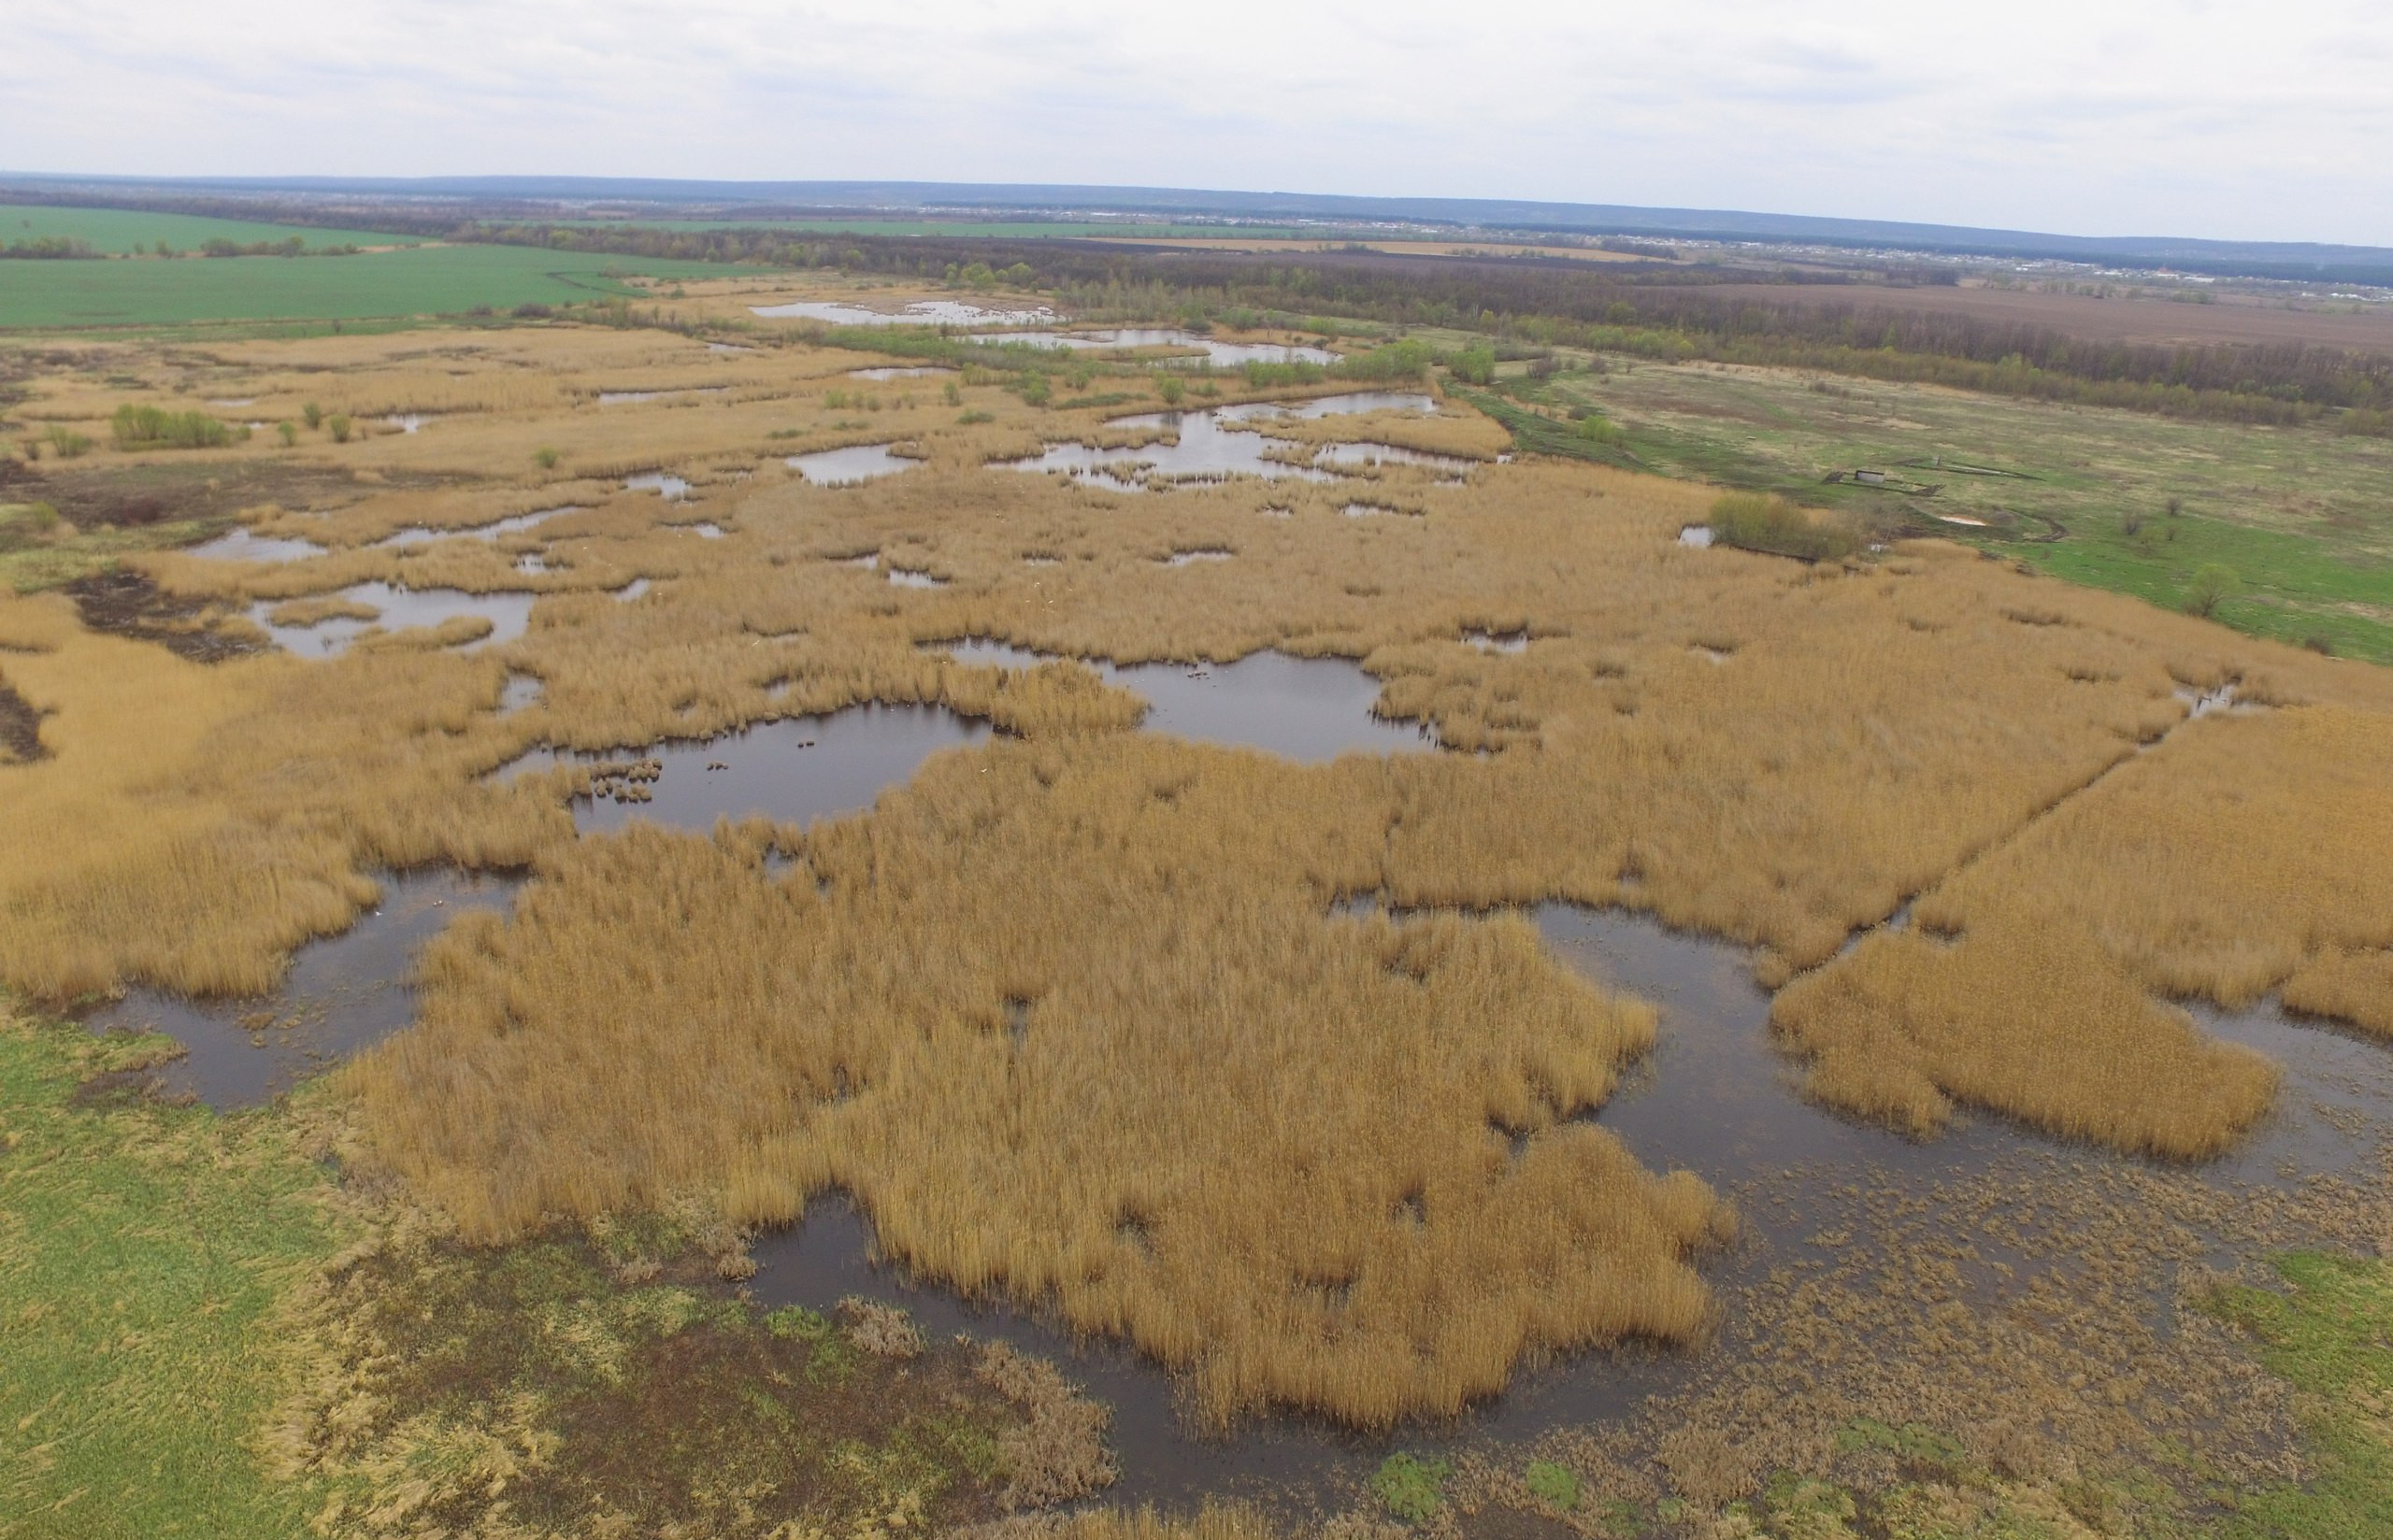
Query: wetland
1397,963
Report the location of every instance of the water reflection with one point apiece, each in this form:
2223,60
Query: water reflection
922,312
1125,339
419,534
849,466
240,544
396,609
792,771
1309,709
342,994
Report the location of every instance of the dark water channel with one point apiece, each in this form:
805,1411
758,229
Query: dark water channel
342,994
1309,709
792,771
398,609
1713,1097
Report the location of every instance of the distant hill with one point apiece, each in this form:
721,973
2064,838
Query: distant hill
2301,260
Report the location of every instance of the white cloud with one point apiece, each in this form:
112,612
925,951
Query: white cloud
2228,119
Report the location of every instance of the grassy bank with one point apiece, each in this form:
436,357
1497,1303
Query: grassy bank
199,1337
143,1250
420,280
2296,515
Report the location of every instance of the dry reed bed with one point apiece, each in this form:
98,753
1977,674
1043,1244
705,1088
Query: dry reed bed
1259,1141
2033,980
1073,1029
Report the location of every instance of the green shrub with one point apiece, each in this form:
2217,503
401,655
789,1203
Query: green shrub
1552,1485
1475,364
1768,522
69,444
1407,360
1410,1488
290,433
338,424
314,414
955,396
546,458
137,427
2211,582
1171,389
970,417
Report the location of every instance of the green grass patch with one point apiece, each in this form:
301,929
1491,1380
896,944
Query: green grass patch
2331,1334
127,231
143,1250
2299,514
2290,587
419,281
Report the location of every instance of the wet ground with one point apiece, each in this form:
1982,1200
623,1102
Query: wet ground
1309,709
123,603
400,610
1227,355
19,728
849,467
924,312
1713,1097
241,545
342,994
417,534
792,771
1210,446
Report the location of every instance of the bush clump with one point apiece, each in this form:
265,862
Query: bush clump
1768,522
143,427
1410,1488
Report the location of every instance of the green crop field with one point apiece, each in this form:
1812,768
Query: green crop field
117,230
421,280
2302,517
994,229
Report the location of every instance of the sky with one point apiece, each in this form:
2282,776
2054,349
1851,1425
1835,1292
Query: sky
2214,117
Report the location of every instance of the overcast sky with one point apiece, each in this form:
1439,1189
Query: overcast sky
2222,117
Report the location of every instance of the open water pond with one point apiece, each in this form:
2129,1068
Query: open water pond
671,487
1127,340
922,312
792,771
419,534
342,993
892,372
1309,709
846,467
241,545
1213,445
400,610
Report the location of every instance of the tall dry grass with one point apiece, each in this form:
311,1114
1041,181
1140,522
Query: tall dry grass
1271,1146
1076,1029
2036,980
195,823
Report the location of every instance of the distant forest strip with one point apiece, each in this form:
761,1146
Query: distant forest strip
1656,312
1646,310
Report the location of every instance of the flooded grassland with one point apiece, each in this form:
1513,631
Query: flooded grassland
1639,1030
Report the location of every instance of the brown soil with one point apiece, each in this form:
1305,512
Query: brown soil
19,727
127,603
133,496
2147,320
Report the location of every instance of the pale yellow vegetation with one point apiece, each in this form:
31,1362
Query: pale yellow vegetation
2034,980
1312,1160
